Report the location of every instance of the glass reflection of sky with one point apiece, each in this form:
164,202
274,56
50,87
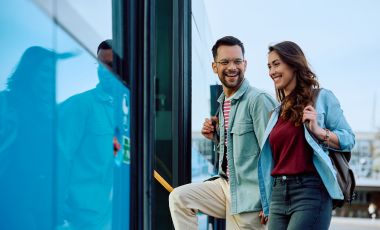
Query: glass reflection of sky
18,34
70,81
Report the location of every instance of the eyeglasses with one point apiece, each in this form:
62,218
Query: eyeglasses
226,62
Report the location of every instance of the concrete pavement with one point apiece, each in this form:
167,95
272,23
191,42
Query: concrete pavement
347,223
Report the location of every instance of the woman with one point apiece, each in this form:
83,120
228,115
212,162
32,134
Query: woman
27,142
297,179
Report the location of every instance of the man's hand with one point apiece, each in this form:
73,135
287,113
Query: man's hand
116,146
209,127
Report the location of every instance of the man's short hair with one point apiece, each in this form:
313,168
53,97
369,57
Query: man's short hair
105,45
226,41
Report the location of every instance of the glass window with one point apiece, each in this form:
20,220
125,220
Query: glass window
27,105
64,119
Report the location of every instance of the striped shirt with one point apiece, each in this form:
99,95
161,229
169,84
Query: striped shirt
226,115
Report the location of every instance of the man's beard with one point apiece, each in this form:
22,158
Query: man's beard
231,85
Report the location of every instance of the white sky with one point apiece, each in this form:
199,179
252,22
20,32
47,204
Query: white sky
340,39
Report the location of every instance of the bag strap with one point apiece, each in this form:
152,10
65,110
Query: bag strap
315,96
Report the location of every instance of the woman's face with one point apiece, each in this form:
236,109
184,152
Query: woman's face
281,74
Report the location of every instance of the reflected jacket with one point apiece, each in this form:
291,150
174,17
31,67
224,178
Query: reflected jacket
86,131
330,116
248,117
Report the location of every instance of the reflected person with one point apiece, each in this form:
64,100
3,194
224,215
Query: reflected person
86,143
27,144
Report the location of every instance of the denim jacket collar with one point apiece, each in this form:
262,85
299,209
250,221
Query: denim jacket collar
239,93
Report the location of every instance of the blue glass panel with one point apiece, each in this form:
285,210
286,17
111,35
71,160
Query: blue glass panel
64,135
27,115
93,142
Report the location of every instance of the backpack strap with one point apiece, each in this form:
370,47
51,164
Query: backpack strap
315,96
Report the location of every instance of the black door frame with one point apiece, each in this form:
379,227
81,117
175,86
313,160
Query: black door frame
137,68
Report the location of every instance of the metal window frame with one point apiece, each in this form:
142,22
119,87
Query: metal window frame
137,68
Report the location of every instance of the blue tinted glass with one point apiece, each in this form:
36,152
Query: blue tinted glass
64,129
93,139
27,105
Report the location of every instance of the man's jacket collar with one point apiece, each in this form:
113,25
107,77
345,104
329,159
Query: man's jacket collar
240,92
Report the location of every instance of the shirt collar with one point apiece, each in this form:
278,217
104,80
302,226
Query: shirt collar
240,92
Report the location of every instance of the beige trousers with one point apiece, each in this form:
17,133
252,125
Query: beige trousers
211,198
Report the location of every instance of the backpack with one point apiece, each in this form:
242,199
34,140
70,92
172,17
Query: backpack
344,174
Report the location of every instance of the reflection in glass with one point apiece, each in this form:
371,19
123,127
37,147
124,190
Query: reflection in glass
27,141
90,130
32,194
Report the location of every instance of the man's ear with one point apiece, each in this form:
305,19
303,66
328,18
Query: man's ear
214,68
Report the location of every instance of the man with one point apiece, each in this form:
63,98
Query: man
87,130
238,130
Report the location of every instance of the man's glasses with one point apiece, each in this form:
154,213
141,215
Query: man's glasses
226,62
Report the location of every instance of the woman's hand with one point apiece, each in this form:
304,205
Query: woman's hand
263,218
310,119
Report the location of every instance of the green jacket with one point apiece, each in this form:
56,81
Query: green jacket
249,114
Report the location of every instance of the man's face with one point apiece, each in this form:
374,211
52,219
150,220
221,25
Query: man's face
105,74
105,56
230,66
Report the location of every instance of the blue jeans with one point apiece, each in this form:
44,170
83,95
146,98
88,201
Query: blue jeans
299,203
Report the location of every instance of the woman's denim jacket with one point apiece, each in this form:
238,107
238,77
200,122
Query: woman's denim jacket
330,116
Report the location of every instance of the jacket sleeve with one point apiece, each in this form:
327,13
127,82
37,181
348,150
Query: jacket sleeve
260,109
336,122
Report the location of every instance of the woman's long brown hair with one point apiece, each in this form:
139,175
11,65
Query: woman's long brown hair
292,106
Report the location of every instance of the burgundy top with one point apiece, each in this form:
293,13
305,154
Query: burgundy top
292,154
